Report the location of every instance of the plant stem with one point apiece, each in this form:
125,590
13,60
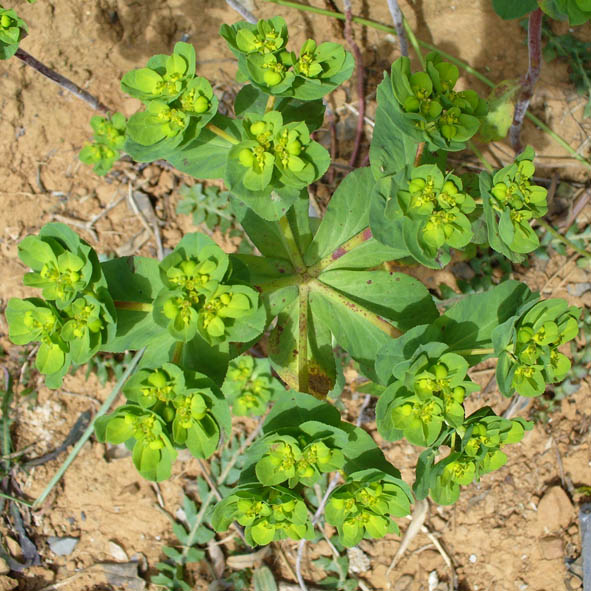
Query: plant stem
481,157
360,75
563,239
276,284
133,306
303,381
398,19
534,44
178,351
270,103
15,500
221,133
419,154
342,250
89,430
291,245
414,42
368,315
448,56
62,81
464,352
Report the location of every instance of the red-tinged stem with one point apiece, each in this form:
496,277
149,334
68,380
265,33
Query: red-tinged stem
419,154
133,306
64,82
534,44
360,73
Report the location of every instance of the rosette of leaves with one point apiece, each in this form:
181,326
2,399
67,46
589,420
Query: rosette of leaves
433,210
511,201
430,109
109,138
577,12
364,506
301,460
528,347
273,158
164,78
475,451
12,30
145,433
250,386
266,513
195,301
426,398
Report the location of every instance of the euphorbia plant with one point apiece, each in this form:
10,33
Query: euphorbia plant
316,285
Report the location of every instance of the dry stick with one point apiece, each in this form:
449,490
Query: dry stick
534,44
399,25
360,72
64,82
242,11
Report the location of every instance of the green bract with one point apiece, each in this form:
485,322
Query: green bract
266,513
430,107
12,31
475,451
109,138
511,202
152,450
364,506
79,317
528,347
164,78
427,395
173,409
249,385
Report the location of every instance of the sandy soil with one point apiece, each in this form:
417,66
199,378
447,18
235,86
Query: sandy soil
516,530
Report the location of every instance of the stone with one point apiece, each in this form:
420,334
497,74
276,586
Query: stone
62,546
7,583
555,510
551,548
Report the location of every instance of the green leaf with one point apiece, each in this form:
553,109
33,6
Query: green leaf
345,216
398,297
509,9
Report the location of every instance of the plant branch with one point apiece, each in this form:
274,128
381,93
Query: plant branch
464,352
414,42
133,306
562,238
534,45
221,133
448,56
89,430
303,377
242,11
270,103
291,245
342,250
481,157
360,75
419,154
62,81
368,315
399,25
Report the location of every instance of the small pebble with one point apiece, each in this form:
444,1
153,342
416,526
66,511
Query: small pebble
473,558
